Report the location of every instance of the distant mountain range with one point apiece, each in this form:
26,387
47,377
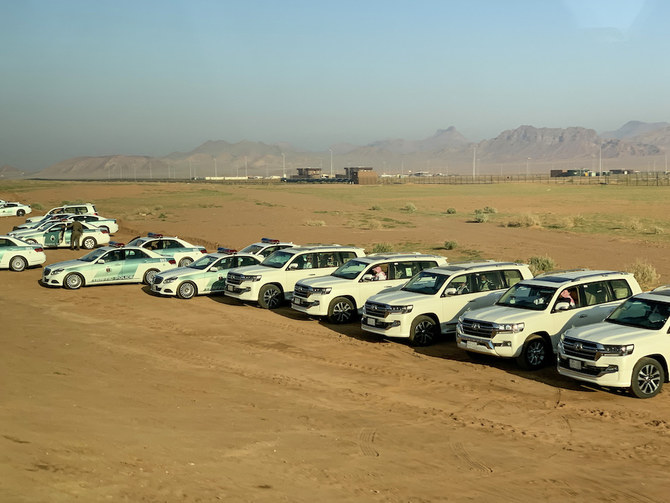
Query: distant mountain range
636,145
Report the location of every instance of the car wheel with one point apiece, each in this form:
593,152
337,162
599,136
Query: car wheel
20,213
534,353
185,261
18,264
88,243
423,331
341,310
73,281
647,379
270,296
186,290
149,276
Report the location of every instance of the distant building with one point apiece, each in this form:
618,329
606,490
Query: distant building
363,175
309,173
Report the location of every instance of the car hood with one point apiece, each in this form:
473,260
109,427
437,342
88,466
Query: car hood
399,298
324,281
503,314
254,269
69,264
609,333
179,271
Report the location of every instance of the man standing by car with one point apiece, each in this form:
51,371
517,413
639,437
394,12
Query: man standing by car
77,231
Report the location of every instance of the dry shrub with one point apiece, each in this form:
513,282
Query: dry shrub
657,230
450,245
527,220
634,224
382,248
451,211
644,273
315,223
409,208
374,225
539,265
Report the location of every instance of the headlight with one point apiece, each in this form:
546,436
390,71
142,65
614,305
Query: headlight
321,291
511,328
614,350
250,277
170,280
57,271
400,309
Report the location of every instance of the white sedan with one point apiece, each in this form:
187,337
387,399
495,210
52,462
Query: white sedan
57,235
14,209
107,265
204,276
173,247
17,255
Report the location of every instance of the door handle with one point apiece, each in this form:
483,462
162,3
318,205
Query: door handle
582,316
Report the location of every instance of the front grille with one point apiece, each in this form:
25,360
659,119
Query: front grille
580,349
301,291
234,278
477,328
157,280
375,309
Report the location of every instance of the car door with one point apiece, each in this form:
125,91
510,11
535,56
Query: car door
134,264
56,235
217,272
107,269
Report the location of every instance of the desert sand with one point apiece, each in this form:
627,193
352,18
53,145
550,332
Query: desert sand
111,394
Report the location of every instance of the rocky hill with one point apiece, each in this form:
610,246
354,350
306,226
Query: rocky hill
447,151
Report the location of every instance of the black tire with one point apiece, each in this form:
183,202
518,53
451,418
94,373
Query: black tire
73,281
647,379
149,276
20,213
270,296
341,310
187,290
423,331
535,353
89,243
185,261
18,263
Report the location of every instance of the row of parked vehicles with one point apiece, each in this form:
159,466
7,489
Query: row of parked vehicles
601,327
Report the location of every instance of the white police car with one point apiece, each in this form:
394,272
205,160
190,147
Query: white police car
182,251
204,276
99,221
56,234
14,209
17,255
266,246
107,265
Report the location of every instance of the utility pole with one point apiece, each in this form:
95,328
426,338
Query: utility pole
216,175
283,168
331,162
474,163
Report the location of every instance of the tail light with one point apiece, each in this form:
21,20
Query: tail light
104,231
172,261
38,249
203,251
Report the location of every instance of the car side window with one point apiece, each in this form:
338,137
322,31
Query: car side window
485,281
460,283
344,256
306,261
5,242
243,261
596,293
268,251
512,277
620,289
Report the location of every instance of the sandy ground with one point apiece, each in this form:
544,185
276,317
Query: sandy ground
111,394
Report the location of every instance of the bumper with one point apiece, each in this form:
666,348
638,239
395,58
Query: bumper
163,289
614,372
243,291
52,280
312,306
391,326
504,348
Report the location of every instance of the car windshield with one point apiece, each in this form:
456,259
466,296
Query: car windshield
428,283
204,262
136,242
350,270
278,259
641,313
94,255
253,249
525,296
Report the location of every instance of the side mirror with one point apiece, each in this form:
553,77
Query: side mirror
214,269
367,277
100,261
562,306
292,267
449,291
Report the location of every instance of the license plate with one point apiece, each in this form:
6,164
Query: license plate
370,321
230,288
575,364
471,344
297,302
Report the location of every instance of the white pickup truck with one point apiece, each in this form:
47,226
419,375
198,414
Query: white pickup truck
629,349
529,318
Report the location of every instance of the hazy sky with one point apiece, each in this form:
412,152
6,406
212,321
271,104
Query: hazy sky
96,77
